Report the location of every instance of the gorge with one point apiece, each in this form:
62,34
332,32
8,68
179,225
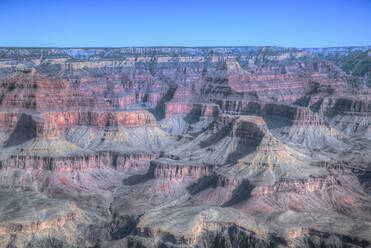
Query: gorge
185,147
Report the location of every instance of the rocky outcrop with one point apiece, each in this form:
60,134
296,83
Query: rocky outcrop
282,84
175,170
25,226
303,186
15,228
66,119
292,113
192,111
37,92
184,147
83,162
350,114
51,123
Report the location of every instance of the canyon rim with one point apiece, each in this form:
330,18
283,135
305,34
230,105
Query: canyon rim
185,147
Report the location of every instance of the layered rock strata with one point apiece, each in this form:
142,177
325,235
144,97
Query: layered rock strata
185,147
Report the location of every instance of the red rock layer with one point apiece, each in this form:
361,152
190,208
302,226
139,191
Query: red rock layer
37,92
203,111
101,160
130,88
287,86
50,123
46,128
302,186
101,119
173,171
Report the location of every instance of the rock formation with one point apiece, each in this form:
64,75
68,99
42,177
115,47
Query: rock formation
185,147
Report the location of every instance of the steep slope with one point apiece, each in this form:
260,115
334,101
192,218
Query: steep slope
185,147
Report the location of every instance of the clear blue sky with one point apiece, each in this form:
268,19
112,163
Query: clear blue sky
111,23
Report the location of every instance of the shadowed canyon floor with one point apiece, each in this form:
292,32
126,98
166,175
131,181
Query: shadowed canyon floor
185,147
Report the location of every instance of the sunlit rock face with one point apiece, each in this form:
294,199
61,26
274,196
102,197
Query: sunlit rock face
185,147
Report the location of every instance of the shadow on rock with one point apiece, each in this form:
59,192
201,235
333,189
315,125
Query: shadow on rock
137,179
123,226
240,194
215,138
203,184
194,115
159,110
24,131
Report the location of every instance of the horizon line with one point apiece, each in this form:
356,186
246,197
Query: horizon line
226,46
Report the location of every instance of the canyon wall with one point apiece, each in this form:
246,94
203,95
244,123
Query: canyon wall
185,147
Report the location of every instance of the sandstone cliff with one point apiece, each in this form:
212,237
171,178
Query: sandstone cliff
185,147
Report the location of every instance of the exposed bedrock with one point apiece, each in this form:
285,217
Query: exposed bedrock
185,147
301,186
34,220
311,194
125,90
350,114
37,92
15,228
250,130
173,170
294,124
342,194
227,227
192,112
106,159
102,119
293,113
331,106
245,140
297,186
19,126
54,121
285,86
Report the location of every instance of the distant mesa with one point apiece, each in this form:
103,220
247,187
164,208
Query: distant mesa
185,147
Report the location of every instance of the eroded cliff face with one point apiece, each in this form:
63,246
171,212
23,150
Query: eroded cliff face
184,147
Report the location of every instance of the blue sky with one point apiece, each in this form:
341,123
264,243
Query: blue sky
113,23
